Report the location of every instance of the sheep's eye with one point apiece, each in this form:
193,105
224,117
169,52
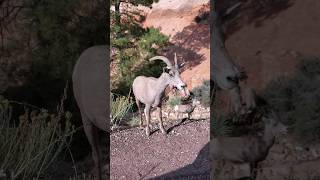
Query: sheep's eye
171,74
166,70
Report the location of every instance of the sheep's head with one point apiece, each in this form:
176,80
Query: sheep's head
172,74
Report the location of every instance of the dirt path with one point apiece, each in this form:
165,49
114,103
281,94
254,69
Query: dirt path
134,156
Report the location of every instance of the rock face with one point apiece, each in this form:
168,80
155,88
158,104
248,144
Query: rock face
269,46
177,4
199,112
191,40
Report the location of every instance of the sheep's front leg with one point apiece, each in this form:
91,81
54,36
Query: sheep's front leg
93,138
160,120
147,113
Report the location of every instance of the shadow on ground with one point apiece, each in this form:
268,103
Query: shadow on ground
199,169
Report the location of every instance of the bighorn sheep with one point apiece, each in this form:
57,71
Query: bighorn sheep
224,73
90,91
246,150
149,90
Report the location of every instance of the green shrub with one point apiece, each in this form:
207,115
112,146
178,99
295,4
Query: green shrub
174,100
203,93
297,99
122,42
152,37
120,106
30,147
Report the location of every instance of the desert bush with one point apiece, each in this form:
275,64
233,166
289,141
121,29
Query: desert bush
203,93
174,100
297,99
29,147
120,106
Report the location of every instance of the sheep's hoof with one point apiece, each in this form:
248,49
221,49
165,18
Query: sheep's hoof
147,132
163,130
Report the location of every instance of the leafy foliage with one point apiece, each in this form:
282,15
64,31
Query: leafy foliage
133,46
298,99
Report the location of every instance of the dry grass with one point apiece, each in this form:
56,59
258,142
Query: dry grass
30,145
120,106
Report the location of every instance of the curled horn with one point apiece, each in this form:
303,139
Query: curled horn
175,61
164,59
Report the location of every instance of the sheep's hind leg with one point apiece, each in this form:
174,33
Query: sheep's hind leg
93,138
140,113
160,120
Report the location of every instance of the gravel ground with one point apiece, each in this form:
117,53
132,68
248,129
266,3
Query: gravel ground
181,154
